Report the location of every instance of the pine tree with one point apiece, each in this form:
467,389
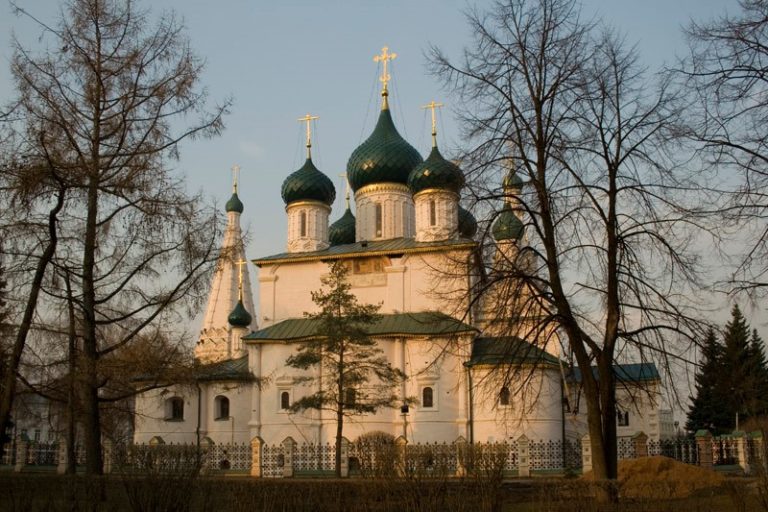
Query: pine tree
356,376
736,369
757,399
706,410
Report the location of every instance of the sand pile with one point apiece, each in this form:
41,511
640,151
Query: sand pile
662,477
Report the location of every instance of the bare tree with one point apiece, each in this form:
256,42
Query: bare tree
725,73
115,96
599,257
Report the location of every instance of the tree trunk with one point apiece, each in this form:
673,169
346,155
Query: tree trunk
90,385
71,388
9,379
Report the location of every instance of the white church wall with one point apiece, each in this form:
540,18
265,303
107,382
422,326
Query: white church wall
153,416
535,406
234,427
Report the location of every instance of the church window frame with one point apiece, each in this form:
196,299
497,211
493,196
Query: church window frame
505,397
622,418
427,389
174,409
221,408
432,213
378,213
302,224
284,400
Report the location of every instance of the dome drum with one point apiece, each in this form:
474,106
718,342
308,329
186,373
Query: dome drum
384,211
307,226
437,215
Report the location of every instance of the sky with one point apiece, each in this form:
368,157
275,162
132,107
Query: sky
280,60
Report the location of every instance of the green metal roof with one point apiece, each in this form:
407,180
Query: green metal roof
507,226
384,157
377,248
508,350
398,324
436,172
343,230
467,223
234,204
308,183
230,369
240,317
633,372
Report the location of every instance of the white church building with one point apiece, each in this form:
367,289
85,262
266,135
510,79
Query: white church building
409,247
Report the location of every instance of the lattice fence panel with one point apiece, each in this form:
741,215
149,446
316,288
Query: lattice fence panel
625,448
43,454
273,461
546,454
573,456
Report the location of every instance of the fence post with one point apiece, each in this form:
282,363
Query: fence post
344,457
704,446
289,447
257,452
22,451
523,457
586,454
742,452
460,445
62,464
400,448
640,444
108,456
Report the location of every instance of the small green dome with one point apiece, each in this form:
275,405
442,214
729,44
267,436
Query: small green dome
436,172
467,223
507,226
384,157
240,317
512,180
234,204
308,183
343,230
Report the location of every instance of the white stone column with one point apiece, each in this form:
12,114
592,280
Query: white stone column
523,457
586,454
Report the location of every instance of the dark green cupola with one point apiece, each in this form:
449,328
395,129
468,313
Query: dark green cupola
240,317
234,204
507,227
308,184
436,172
512,180
385,157
467,223
343,230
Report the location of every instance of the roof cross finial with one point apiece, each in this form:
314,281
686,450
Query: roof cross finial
346,182
308,119
240,264
432,106
235,177
384,57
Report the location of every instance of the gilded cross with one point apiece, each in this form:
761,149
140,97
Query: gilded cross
384,57
432,106
308,119
346,181
240,264
235,176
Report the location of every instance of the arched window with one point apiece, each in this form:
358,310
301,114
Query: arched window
432,212
379,219
174,409
350,396
285,400
303,224
427,397
622,418
504,397
221,407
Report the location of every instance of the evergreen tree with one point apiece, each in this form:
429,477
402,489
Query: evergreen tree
706,410
736,369
354,375
757,399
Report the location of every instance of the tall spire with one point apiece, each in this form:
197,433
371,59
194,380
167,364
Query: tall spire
308,119
384,57
432,106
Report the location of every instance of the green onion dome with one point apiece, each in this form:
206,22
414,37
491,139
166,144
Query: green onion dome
507,226
467,223
308,183
239,317
512,180
436,172
384,157
343,230
234,204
